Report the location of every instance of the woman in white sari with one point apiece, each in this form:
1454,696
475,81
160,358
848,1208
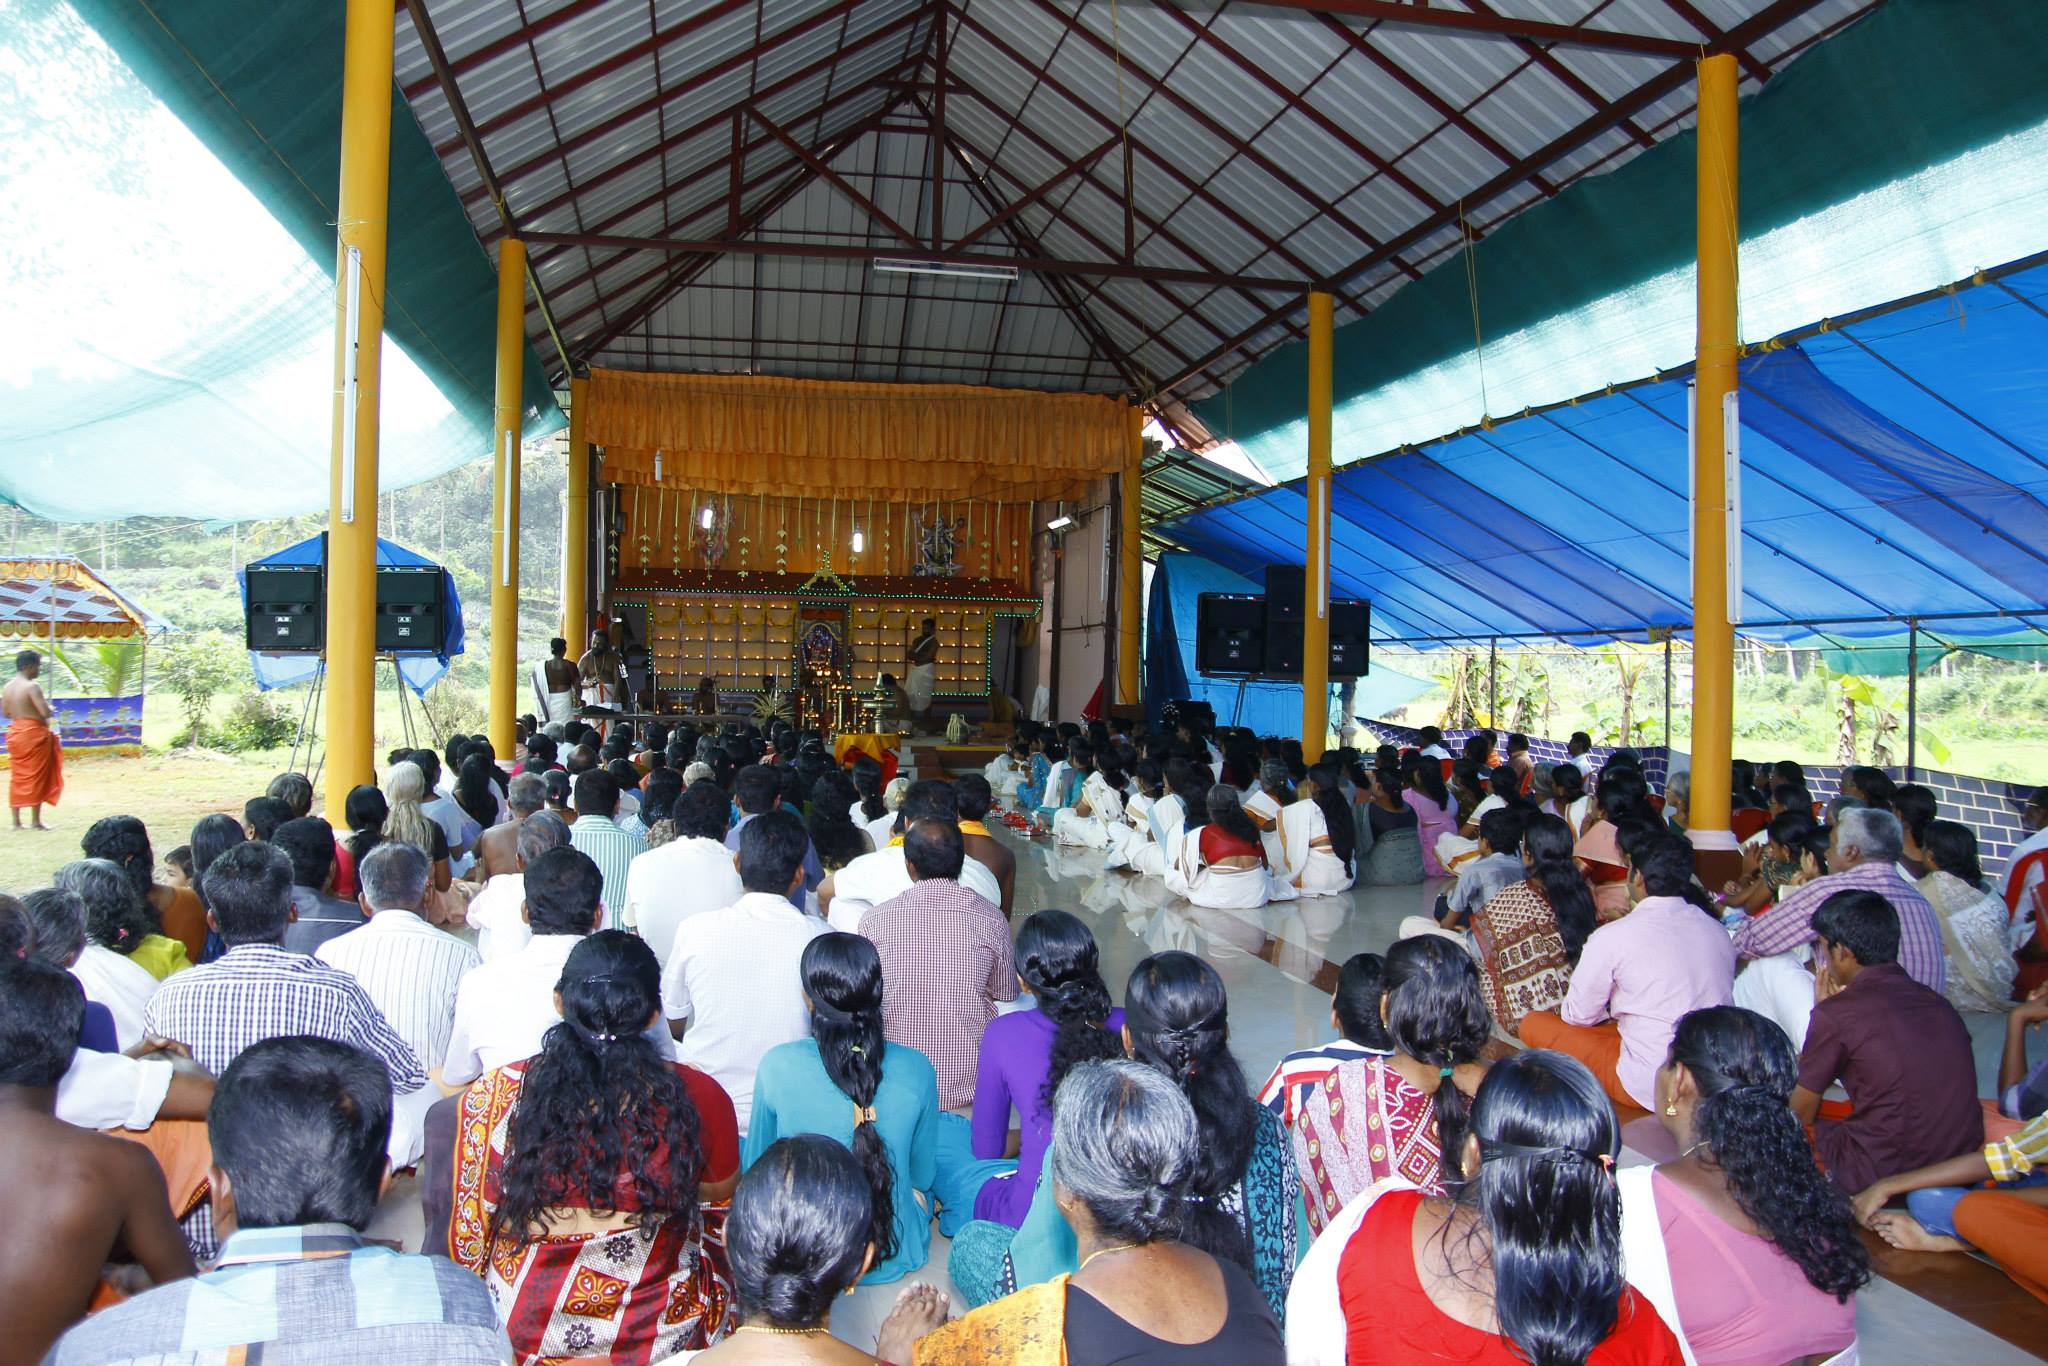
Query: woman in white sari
1268,807
1223,862
1981,967
1185,782
1100,807
1128,837
1317,836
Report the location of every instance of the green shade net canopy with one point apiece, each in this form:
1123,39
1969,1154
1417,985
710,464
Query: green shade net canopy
169,269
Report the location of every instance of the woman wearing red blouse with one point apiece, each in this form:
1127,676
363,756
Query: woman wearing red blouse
1521,1264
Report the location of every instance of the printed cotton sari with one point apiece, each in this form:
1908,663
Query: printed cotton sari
600,1284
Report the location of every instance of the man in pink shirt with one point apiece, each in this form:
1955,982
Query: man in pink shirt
1636,976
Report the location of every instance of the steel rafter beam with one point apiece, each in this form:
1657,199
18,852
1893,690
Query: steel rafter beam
662,98
1045,187
1160,87
625,56
1170,168
678,275
1429,95
1422,14
1180,308
753,180
838,182
1092,331
444,75
510,42
1756,27
1568,78
775,199
1690,13
1081,230
1206,33
839,251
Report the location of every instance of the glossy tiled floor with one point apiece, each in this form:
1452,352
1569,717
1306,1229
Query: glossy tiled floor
1270,960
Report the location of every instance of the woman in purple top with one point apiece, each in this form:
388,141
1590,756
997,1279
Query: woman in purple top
1024,1057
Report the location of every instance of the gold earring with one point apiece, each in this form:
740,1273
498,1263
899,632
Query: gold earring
1671,1108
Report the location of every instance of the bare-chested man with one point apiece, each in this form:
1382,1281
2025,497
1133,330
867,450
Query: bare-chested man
600,674
554,683
497,849
77,1199
35,760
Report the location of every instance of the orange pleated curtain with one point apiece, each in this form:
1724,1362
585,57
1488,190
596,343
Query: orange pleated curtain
901,443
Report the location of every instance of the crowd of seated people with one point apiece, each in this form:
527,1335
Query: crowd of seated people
724,1030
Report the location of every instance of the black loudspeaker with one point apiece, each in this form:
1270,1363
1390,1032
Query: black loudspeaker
1283,645
409,616
287,609
1350,637
1230,634
1286,589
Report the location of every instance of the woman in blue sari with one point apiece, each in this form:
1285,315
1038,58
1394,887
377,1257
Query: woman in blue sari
1243,1200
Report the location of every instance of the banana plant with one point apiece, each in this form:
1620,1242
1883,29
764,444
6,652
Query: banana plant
107,671
1886,711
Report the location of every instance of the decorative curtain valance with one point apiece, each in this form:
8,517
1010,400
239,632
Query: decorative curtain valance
905,442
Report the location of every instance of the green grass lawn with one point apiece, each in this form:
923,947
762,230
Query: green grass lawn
167,789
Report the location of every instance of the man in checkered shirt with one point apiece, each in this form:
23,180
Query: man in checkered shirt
946,960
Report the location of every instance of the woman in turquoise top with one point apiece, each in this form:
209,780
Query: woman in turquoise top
879,1099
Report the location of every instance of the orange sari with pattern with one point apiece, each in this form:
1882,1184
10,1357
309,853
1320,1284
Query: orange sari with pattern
1027,1328
631,1290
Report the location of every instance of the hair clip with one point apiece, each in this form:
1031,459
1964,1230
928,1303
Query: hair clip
863,1114
857,1048
1444,1073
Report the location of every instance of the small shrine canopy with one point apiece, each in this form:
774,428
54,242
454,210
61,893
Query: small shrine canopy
56,597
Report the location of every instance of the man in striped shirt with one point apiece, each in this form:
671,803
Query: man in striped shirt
258,990
1863,856
608,844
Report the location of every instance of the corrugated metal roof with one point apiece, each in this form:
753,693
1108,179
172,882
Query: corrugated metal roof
1265,139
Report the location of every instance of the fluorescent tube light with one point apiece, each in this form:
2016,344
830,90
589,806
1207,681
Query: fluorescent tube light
1059,523
903,266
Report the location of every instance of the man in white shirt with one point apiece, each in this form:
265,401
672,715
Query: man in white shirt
872,879
732,989
504,1008
692,874
1432,743
1579,749
498,912
409,968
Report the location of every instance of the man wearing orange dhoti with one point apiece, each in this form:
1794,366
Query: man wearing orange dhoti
36,764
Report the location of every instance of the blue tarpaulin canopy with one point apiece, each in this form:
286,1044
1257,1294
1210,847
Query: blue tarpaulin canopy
1893,467
420,669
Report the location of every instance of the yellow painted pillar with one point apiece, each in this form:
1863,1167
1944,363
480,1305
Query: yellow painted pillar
505,494
576,535
351,684
1315,615
1130,607
1713,701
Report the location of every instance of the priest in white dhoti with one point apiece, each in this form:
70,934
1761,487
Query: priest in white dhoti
923,677
554,683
